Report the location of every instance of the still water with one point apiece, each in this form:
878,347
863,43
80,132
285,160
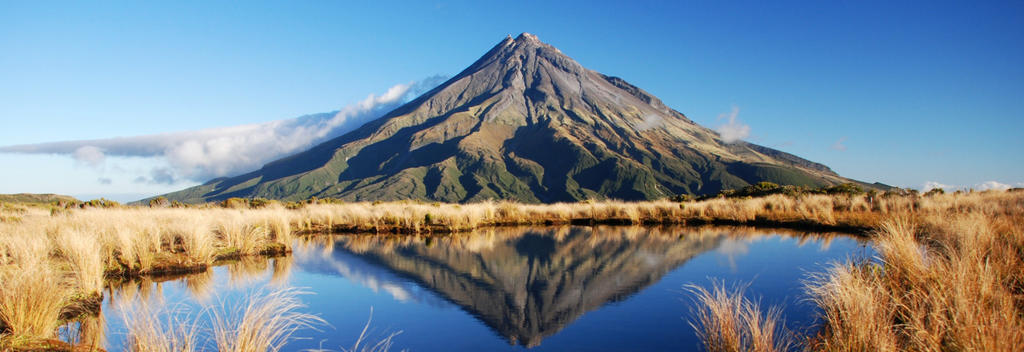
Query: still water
546,289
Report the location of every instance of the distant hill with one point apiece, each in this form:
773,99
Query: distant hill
525,122
34,198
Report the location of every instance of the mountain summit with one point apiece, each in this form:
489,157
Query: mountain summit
528,123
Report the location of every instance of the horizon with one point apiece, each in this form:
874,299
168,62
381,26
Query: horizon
910,96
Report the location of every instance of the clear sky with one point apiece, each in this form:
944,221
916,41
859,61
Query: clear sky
897,92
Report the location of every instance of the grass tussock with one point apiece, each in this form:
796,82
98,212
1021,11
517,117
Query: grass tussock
264,324
264,321
952,261
31,300
726,321
949,277
152,328
943,283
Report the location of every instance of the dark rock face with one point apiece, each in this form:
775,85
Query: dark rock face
524,122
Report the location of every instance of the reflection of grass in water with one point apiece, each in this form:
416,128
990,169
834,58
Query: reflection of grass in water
200,285
282,270
88,332
246,270
134,240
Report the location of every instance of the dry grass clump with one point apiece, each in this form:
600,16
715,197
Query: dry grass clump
263,322
197,240
952,284
82,252
952,263
31,299
727,322
235,233
949,276
154,328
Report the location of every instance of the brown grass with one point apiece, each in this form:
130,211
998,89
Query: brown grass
31,299
944,283
951,273
949,277
265,321
153,328
264,324
728,322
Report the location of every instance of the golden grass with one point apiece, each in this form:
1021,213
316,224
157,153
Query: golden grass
944,283
728,322
153,328
265,323
31,299
82,252
971,239
949,277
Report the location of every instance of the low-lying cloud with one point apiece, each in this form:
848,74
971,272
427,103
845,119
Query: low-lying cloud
992,185
733,130
930,185
214,152
984,186
649,122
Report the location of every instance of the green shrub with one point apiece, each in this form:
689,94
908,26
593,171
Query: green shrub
160,201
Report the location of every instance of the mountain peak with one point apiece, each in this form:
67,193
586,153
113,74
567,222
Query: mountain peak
524,122
527,37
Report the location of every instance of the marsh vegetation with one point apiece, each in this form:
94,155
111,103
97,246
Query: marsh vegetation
949,273
948,277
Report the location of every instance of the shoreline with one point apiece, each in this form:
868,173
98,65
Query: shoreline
89,248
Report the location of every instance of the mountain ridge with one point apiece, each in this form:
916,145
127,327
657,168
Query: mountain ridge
523,122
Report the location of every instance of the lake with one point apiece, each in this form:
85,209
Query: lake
577,288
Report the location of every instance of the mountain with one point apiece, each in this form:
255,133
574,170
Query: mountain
524,122
36,198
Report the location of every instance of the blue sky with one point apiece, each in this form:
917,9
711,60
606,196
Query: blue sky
903,93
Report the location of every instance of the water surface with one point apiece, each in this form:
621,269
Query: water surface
555,288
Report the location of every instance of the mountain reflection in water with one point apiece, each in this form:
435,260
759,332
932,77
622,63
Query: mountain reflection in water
525,284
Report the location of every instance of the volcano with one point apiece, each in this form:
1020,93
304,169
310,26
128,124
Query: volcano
527,123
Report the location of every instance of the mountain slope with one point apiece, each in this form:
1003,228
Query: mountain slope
524,122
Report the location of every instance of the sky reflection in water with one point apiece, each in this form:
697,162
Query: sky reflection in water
556,288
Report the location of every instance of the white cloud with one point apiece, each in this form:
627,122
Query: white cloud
89,155
650,121
929,185
733,130
214,152
992,185
984,186
838,145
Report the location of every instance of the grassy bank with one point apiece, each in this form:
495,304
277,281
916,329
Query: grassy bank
56,260
947,279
